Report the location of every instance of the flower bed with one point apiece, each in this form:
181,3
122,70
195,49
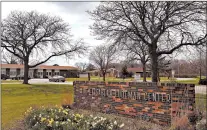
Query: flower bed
63,119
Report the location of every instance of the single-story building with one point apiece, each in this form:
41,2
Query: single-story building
138,70
41,71
113,72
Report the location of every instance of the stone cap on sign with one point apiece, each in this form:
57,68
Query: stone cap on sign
125,84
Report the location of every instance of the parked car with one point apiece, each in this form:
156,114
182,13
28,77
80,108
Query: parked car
4,76
203,81
57,78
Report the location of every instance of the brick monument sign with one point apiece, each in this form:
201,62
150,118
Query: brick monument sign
153,102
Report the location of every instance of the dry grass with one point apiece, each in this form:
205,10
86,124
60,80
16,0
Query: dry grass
67,99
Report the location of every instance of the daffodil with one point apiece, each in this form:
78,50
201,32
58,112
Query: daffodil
65,112
43,119
115,122
50,122
122,125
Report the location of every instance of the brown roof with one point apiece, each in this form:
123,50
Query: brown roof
138,69
57,67
40,67
12,66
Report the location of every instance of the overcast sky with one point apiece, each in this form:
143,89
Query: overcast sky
73,13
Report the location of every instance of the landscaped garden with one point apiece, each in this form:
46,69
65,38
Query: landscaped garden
18,98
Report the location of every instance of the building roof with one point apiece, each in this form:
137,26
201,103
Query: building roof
14,66
138,69
57,67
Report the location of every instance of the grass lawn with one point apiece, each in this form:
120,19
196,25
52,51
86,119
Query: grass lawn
11,81
99,79
162,79
17,98
201,103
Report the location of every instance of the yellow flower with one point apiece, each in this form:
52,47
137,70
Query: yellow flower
77,115
50,122
43,119
65,112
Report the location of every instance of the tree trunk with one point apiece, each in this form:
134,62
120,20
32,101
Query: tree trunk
89,77
144,72
154,63
158,76
26,71
104,76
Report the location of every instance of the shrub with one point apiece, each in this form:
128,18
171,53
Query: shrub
181,123
201,125
63,119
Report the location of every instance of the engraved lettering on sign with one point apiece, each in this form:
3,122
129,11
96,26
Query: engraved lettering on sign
124,94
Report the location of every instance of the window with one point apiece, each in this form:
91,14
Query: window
12,72
3,71
49,73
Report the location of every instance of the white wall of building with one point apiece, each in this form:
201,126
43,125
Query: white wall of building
3,71
21,71
31,73
83,75
13,72
40,73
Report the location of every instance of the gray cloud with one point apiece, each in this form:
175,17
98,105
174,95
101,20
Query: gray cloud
76,7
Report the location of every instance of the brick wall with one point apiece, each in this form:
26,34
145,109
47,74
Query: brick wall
153,102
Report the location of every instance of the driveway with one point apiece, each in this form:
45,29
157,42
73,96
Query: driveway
41,81
46,81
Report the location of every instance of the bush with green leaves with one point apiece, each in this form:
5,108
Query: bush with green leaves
64,119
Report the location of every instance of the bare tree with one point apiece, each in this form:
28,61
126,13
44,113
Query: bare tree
29,34
102,56
163,66
90,67
9,58
137,52
163,26
81,66
198,60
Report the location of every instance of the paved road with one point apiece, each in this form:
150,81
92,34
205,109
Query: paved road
46,81
42,81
